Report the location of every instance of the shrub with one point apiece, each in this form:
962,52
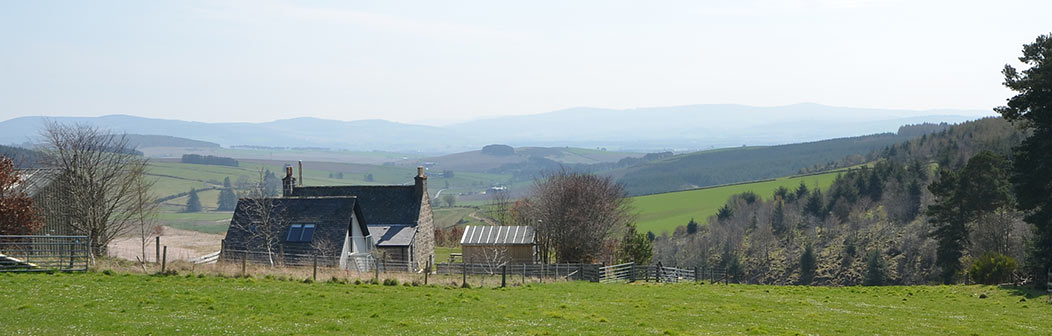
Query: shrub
992,268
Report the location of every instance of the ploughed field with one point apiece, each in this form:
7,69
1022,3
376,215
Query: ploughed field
91,303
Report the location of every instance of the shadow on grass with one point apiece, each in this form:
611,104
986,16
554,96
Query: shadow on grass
1024,291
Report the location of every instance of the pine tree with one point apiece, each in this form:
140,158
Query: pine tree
807,266
193,203
692,226
1031,108
814,206
227,200
635,247
226,182
876,269
724,213
778,219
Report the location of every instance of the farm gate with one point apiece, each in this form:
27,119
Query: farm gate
44,253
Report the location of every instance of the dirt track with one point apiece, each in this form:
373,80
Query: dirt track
182,245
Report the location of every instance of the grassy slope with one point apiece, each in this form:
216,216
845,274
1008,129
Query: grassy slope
97,303
664,212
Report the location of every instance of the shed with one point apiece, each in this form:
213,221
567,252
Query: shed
497,244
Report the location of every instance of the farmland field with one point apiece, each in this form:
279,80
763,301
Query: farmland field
664,212
97,303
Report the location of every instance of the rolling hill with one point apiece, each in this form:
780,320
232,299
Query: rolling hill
733,165
680,128
660,213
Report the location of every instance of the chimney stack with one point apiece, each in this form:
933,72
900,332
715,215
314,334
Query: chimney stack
421,182
288,182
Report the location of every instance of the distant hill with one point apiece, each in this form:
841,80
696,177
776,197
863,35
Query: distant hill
145,141
480,161
21,157
734,165
679,128
701,126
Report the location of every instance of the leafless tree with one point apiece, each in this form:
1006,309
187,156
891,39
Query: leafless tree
491,259
264,218
327,250
500,201
99,173
145,207
575,214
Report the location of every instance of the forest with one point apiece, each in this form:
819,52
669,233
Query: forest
874,224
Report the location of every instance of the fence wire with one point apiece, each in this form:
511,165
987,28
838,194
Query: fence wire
44,253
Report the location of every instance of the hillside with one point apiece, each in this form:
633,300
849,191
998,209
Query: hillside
733,165
96,303
869,223
481,161
663,213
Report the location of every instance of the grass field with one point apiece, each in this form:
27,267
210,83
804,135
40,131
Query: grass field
446,217
96,303
664,212
207,222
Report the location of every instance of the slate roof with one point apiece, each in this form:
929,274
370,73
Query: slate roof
392,235
331,216
498,235
36,179
383,204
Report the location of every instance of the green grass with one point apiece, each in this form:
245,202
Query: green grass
207,222
96,303
664,212
442,253
446,217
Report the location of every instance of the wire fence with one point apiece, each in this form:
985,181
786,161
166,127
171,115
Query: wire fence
44,253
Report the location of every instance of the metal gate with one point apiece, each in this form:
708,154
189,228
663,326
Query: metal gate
44,253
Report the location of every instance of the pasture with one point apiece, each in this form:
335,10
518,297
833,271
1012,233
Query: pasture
115,303
664,212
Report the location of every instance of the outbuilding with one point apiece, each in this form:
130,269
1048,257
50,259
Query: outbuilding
499,244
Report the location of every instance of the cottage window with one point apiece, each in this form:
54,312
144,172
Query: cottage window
300,233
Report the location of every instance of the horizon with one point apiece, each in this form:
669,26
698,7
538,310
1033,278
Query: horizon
440,64
972,113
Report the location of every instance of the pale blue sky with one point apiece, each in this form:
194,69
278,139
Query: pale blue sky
439,61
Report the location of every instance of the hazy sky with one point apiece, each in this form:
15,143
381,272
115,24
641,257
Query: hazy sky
443,61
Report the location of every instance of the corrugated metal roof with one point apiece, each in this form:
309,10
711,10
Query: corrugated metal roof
498,235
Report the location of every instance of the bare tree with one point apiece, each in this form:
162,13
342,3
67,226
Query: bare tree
575,214
501,203
449,199
145,206
263,218
99,170
491,259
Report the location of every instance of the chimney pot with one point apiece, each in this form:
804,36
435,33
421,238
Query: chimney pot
420,171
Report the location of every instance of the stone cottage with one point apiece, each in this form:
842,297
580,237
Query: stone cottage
383,221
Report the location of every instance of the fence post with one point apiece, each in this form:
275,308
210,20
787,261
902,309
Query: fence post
164,259
376,271
71,255
157,248
244,262
524,274
315,276
696,279
464,269
427,271
503,276
580,272
281,254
